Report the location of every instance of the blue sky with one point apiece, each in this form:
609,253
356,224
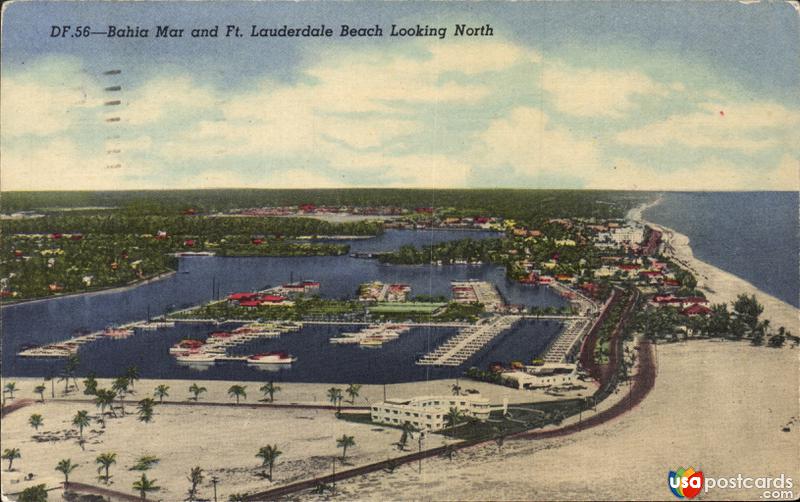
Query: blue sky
644,95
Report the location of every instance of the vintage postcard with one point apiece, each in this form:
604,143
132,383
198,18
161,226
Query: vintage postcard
399,250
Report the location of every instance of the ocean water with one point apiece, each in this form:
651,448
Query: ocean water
753,235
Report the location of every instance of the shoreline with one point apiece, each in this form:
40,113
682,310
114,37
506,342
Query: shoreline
102,291
719,285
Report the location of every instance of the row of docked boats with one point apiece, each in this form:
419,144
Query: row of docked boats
70,347
374,335
215,347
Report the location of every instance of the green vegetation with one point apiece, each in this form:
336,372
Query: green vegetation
144,463
11,454
65,467
523,205
304,308
391,307
36,493
36,421
195,478
741,321
603,347
344,443
238,392
269,389
105,461
144,485
268,455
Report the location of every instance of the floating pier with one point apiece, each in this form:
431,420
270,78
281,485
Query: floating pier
456,350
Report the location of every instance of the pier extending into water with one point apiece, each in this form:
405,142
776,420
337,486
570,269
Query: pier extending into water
456,350
69,347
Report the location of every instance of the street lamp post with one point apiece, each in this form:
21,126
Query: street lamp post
214,481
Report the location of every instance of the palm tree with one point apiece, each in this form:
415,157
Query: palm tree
70,367
161,392
237,391
269,389
453,417
90,385
120,386
352,391
105,398
9,389
144,485
145,409
455,389
449,450
195,478
50,378
408,433
344,442
105,460
65,467
132,374
268,455
335,397
196,390
36,421
39,389
11,454
81,420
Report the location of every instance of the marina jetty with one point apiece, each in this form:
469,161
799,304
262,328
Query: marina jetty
69,347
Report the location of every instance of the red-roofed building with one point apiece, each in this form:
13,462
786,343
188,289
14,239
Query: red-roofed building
189,243
696,310
250,303
272,299
238,297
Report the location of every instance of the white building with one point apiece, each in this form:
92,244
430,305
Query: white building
545,375
632,234
429,413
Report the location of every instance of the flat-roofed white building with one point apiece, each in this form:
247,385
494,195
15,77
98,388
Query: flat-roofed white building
544,375
428,412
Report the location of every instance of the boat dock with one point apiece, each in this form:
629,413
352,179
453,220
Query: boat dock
562,345
215,348
456,350
70,346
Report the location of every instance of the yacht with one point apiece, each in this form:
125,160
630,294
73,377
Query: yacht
271,358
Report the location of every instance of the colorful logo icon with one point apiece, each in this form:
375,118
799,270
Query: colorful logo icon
685,483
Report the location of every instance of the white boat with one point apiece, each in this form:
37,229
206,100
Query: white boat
271,358
196,357
186,346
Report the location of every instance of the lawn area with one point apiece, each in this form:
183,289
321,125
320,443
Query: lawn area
391,307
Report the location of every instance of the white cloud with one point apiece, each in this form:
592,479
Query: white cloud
587,92
164,96
60,164
747,127
528,141
711,174
49,98
288,178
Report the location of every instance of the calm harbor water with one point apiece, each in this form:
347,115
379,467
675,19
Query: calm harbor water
754,235
58,319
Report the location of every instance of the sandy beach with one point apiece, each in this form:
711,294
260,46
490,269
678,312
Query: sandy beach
221,439
716,406
718,285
